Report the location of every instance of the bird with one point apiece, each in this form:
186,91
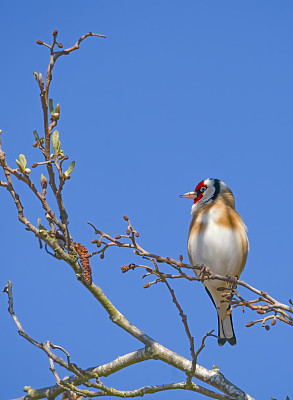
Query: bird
217,239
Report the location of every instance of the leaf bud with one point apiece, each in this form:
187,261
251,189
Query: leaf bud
57,108
267,328
136,234
125,217
19,165
126,268
249,324
118,237
39,42
55,116
147,285
56,142
181,257
60,45
102,256
41,227
22,159
136,252
22,163
36,135
273,321
55,33
51,105
70,169
128,231
44,182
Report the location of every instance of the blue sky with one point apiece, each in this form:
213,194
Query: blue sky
178,92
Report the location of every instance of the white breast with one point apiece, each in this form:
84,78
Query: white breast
216,246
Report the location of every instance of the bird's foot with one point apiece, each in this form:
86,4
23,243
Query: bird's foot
232,287
233,281
205,273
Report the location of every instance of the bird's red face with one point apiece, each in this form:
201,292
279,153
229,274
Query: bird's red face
199,190
198,193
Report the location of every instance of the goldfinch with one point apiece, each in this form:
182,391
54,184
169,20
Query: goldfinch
217,238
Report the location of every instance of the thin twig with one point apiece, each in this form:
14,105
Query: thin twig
205,272
8,290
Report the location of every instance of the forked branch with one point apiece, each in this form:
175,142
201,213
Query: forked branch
152,350
279,311
58,239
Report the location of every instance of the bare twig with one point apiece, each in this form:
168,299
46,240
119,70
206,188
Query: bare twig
76,46
184,321
24,178
49,128
195,356
8,290
272,305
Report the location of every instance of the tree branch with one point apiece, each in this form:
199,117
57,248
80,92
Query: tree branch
130,241
154,350
70,253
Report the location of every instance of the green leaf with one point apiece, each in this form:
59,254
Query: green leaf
57,109
36,135
21,167
56,141
70,169
40,225
51,105
21,163
36,76
22,160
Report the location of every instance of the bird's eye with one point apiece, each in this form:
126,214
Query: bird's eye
202,189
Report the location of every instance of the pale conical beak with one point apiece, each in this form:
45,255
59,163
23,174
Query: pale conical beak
189,195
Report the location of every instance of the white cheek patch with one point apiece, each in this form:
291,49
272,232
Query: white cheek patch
206,199
208,194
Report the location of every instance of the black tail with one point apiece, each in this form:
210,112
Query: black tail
225,327
226,331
